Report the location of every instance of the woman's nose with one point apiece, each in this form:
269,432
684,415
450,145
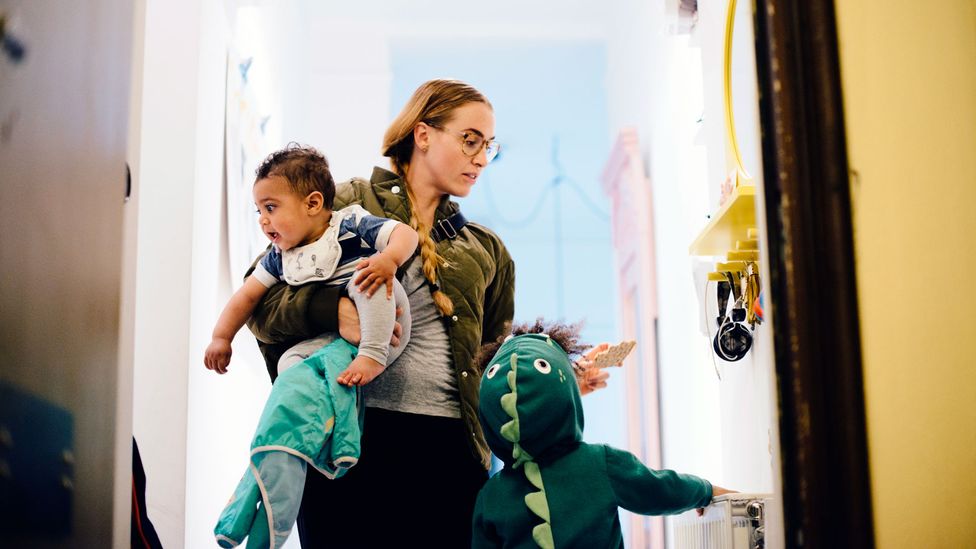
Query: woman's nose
481,159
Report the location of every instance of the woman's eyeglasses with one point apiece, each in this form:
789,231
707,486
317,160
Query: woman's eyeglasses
472,142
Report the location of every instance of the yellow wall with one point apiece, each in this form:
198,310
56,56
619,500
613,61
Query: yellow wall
909,83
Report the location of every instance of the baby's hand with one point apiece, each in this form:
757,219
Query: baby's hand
374,272
217,355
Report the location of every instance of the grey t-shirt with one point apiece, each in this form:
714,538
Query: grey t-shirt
422,380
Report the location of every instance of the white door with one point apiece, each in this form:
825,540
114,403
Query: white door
64,94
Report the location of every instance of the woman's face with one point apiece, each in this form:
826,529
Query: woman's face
454,172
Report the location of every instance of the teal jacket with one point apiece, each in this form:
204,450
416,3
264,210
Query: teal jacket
557,491
309,419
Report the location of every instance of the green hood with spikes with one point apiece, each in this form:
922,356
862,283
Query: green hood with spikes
530,405
569,491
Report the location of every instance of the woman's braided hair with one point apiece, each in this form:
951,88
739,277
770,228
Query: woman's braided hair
434,103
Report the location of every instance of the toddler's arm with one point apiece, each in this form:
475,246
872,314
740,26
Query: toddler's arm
235,314
642,490
381,267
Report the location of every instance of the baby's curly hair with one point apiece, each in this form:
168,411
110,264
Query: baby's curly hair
566,335
305,169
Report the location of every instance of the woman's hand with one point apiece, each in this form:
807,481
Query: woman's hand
588,376
349,323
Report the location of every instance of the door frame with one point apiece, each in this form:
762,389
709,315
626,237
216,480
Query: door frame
825,475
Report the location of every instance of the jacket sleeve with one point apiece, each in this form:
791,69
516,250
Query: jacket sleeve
649,492
482,536
499,297
287,313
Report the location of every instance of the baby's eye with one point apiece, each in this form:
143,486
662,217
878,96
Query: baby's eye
542,365
269,207
493,370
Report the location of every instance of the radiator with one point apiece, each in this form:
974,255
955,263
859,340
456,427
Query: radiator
732,521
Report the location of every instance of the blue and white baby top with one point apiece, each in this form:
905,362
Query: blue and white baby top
353,234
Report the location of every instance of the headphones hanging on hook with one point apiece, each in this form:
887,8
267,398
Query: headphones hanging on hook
734,338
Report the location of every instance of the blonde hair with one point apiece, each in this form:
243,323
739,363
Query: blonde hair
433,103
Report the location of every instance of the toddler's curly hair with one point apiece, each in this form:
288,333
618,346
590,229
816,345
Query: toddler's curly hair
566,335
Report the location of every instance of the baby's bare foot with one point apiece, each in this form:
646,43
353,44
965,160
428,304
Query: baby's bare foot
361,371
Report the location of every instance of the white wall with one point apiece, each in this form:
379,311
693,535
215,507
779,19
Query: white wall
193,426
181,412
654,84
163,187
670,87
338,96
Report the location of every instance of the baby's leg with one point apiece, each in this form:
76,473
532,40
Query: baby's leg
304,349
376,318
401,302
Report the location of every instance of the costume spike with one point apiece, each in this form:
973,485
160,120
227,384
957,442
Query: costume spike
536,502
508,404
542,534
533,474
510,430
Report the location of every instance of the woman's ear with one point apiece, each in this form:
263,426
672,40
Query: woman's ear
314,202
421,136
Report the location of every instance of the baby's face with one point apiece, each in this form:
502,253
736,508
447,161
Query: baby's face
283,215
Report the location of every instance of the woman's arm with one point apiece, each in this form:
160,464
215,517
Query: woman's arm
499,299
287,313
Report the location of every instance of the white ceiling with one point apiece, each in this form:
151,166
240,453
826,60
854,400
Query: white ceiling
527,18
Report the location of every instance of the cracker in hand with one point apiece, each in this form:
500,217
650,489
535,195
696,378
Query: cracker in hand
615,355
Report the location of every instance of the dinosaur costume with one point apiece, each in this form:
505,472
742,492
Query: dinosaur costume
557,491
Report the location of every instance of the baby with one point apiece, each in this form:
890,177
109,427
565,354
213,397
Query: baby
294,192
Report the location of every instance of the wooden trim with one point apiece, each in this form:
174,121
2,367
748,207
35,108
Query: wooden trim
631,199
826,488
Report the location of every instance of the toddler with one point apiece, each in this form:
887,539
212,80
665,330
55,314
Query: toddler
555,489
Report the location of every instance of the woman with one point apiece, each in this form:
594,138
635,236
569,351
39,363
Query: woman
424,456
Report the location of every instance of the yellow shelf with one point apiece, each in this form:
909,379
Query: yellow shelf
735,221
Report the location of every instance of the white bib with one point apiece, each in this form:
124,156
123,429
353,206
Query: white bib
316,261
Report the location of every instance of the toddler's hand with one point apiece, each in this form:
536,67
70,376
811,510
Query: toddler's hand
374,272
716,492
588,376
217,355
